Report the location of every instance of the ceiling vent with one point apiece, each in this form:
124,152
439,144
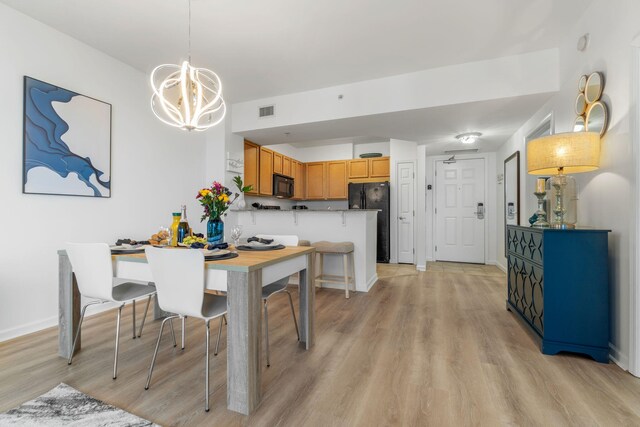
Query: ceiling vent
267,111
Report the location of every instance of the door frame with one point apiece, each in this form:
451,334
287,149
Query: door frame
396,202
489,208
634,256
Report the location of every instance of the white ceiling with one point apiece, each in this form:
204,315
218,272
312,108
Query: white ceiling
437,127
264,48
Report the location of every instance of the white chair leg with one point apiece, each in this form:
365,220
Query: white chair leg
75,340
155,353
115,359
144,316
206,371
133,316
346,275
183,331
266,330
173,333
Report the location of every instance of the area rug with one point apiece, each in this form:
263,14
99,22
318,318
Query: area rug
66,406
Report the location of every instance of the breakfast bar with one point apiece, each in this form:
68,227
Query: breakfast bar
247,274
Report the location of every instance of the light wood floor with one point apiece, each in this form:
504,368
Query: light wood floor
433,348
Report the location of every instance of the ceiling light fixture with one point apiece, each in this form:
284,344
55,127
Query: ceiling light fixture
469,137
185,96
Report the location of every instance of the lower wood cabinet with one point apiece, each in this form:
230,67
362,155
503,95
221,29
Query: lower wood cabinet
558,284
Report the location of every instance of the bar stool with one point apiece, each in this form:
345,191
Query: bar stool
337,248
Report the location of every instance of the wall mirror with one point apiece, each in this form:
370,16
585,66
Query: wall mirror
593,91
579,124
597,118
582,83
511,193
581,104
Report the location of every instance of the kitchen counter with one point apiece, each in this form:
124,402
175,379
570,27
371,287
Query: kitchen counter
353,225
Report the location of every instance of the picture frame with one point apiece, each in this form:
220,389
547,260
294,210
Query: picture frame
66,142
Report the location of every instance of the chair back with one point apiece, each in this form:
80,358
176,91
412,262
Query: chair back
281,239
91,263
179,278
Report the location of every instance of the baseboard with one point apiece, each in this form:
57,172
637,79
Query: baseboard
372,282
618,358
497,264
29,328
51,322
421,267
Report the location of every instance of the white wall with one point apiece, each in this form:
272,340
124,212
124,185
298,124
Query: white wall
510,76
155,168
605,196
383,147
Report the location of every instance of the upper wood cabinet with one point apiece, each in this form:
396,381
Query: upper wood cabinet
368,170
379,167
277,162
298,175
358,168
336,183
251,166
286,166
315,178
266,171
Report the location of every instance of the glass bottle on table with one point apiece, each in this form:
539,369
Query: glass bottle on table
183,225
174,228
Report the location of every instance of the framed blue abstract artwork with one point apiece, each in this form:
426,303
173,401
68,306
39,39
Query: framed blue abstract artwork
67,142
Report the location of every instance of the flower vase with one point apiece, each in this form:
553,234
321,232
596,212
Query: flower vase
215,231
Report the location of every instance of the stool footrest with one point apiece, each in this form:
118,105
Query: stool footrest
332,279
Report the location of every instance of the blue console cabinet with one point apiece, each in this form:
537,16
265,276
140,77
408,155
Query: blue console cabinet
558,283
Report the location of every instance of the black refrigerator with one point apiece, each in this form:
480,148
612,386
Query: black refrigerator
374,195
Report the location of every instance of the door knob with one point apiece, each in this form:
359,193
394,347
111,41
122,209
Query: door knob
401,217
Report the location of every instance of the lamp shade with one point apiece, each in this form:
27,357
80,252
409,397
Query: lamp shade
575,152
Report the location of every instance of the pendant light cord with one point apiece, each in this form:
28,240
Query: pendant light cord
189,31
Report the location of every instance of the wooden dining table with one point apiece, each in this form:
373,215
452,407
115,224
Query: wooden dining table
246,275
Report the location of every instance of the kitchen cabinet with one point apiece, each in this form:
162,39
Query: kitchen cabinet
251,166
358,168
368,170
286,166
558,285
315,178
277,162
379,167
298,175
336,184
266,172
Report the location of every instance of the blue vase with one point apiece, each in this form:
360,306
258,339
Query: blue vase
215,231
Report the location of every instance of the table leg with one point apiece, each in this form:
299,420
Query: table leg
307,308
68,307
244,341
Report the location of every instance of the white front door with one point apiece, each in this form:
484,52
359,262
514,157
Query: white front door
405,178
459,201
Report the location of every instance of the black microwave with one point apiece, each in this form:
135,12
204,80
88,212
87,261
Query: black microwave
282,186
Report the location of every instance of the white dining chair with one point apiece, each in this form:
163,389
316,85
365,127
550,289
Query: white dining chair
91,263
277,287
179,276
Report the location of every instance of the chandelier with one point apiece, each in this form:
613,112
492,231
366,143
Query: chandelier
185,96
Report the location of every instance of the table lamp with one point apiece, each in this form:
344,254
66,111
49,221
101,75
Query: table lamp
556,155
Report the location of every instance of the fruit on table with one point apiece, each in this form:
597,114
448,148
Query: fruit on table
160,238
189,240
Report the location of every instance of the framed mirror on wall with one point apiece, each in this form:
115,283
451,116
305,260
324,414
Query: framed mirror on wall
511,193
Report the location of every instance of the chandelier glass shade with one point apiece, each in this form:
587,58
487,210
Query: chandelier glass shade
187,97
